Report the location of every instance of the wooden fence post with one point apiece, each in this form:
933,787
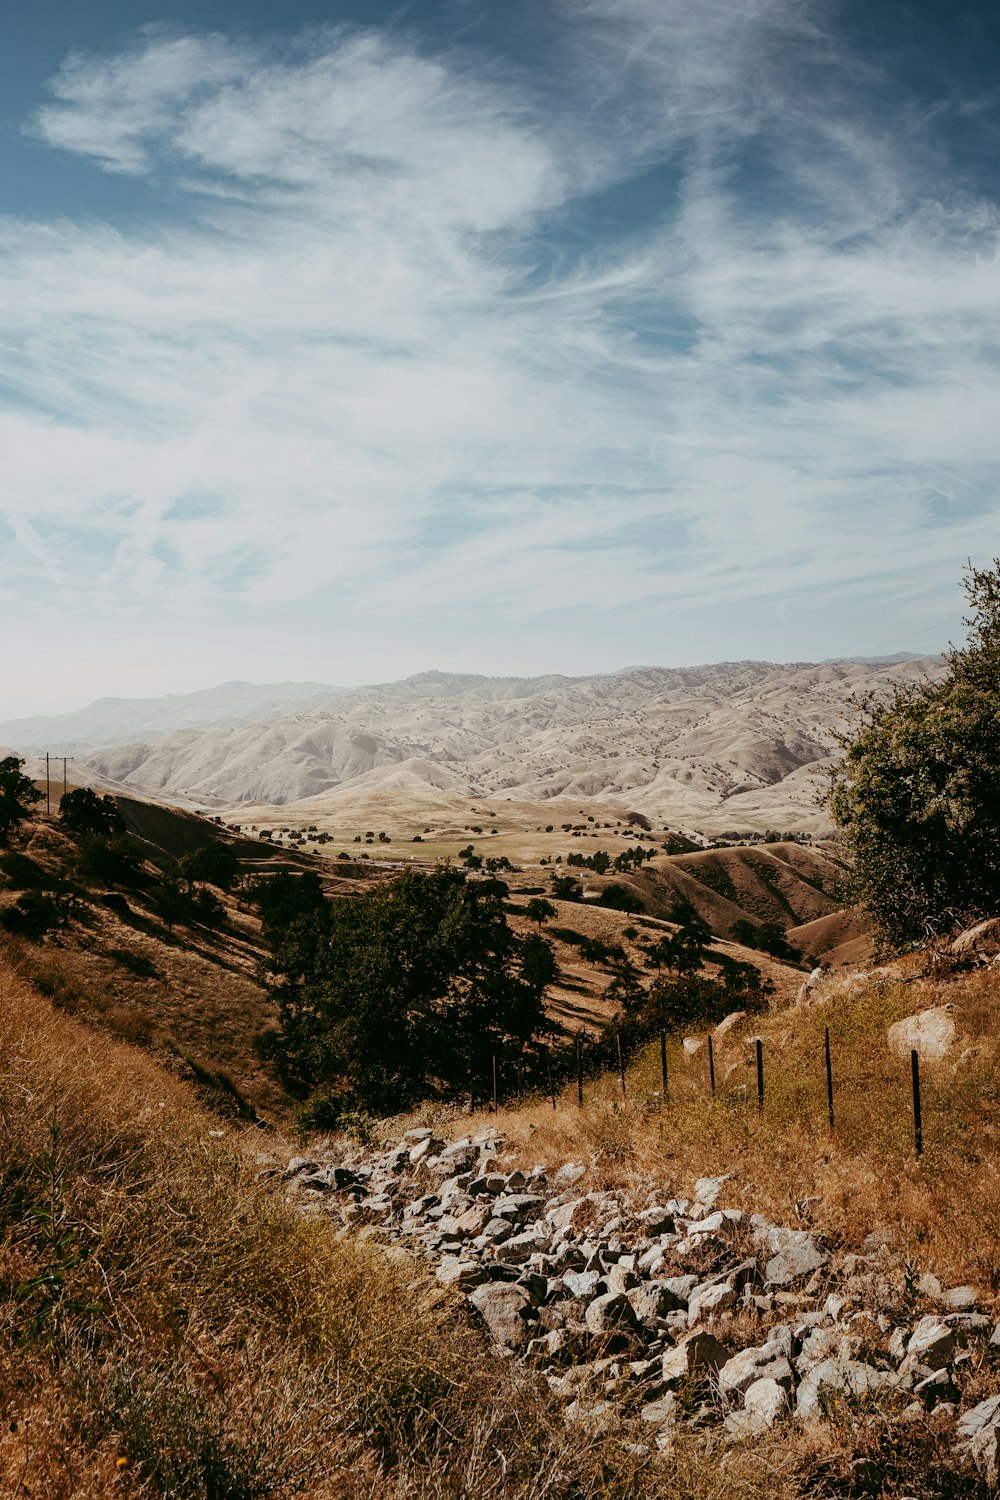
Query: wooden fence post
579,1072
494,1083
711,1064
918,1124
760,1076
621,1061
829,1081
663,1069
552,1087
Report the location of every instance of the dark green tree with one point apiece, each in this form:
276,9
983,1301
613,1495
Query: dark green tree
917,791
403,992
538,962
539,910
214,864
18,795
83,811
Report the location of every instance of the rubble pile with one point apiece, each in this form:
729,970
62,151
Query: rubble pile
666,1310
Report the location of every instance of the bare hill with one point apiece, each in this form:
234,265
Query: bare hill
734,746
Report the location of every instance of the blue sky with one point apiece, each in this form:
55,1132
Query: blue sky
340,341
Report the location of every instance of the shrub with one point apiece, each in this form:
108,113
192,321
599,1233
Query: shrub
215,864
34,914
18,794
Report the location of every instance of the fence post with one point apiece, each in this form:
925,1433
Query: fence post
918,1124
494,1083
579,1072
711,1064
621,1061
552,1087
829,1080
760,1076
663,1069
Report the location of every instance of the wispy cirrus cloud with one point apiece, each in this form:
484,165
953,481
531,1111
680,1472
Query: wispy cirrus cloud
685,319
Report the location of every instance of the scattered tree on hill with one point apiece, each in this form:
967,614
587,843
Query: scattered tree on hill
115,861
405,991
566,888
214,864
769,937
539,910
538,961
18,795
83,811
916,791
620,898
683,951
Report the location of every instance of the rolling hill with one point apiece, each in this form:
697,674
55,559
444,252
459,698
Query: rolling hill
733,746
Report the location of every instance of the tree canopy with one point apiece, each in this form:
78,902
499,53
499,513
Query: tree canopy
916,792
406,991
18,794
83,811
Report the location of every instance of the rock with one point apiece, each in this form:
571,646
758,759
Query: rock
421,1150
799,1256
807,987
767,1361
496,1232
582,1283
655,1221
959,1299
464,1274
846,1375
930,1032
935,1388
696,1351
728,1024
978,1437
506,1310
710,1299
765,1403
652,1300
693,1044
300,1164
517,1206
707,1189
418,1133
611,1313
620,1279
932,1343
981,941
569,1173
594,1416
661,1412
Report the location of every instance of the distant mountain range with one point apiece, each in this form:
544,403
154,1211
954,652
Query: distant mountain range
729,745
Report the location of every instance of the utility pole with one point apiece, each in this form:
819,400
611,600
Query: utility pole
65,783
48,801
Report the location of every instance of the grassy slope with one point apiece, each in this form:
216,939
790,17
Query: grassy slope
170,1327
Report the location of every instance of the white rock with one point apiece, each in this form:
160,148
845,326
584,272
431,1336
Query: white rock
930,1032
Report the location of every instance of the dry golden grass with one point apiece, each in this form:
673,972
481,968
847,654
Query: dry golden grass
170,1327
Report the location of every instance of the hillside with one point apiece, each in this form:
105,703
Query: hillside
732,746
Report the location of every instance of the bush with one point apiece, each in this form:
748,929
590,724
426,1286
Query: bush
769,937
621,898
916,791
117,861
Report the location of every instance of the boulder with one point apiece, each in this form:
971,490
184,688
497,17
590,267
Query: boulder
978,1437
932,1343
847,1375
930,1032
611,1313
693,1044
798,1256
981,941
507,1311
464,1274
728,1024
765,1402
767,1361
694,1352
709,1300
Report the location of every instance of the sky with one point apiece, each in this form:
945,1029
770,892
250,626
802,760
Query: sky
340,341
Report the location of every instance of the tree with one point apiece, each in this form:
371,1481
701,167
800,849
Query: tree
620,898
769,937
683,951
566,888
18,795
403,992
539,910
915,792
83,811
538,962
215,864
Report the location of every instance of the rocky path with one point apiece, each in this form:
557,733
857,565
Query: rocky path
665,1310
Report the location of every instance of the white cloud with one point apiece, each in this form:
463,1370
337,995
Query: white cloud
382,374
